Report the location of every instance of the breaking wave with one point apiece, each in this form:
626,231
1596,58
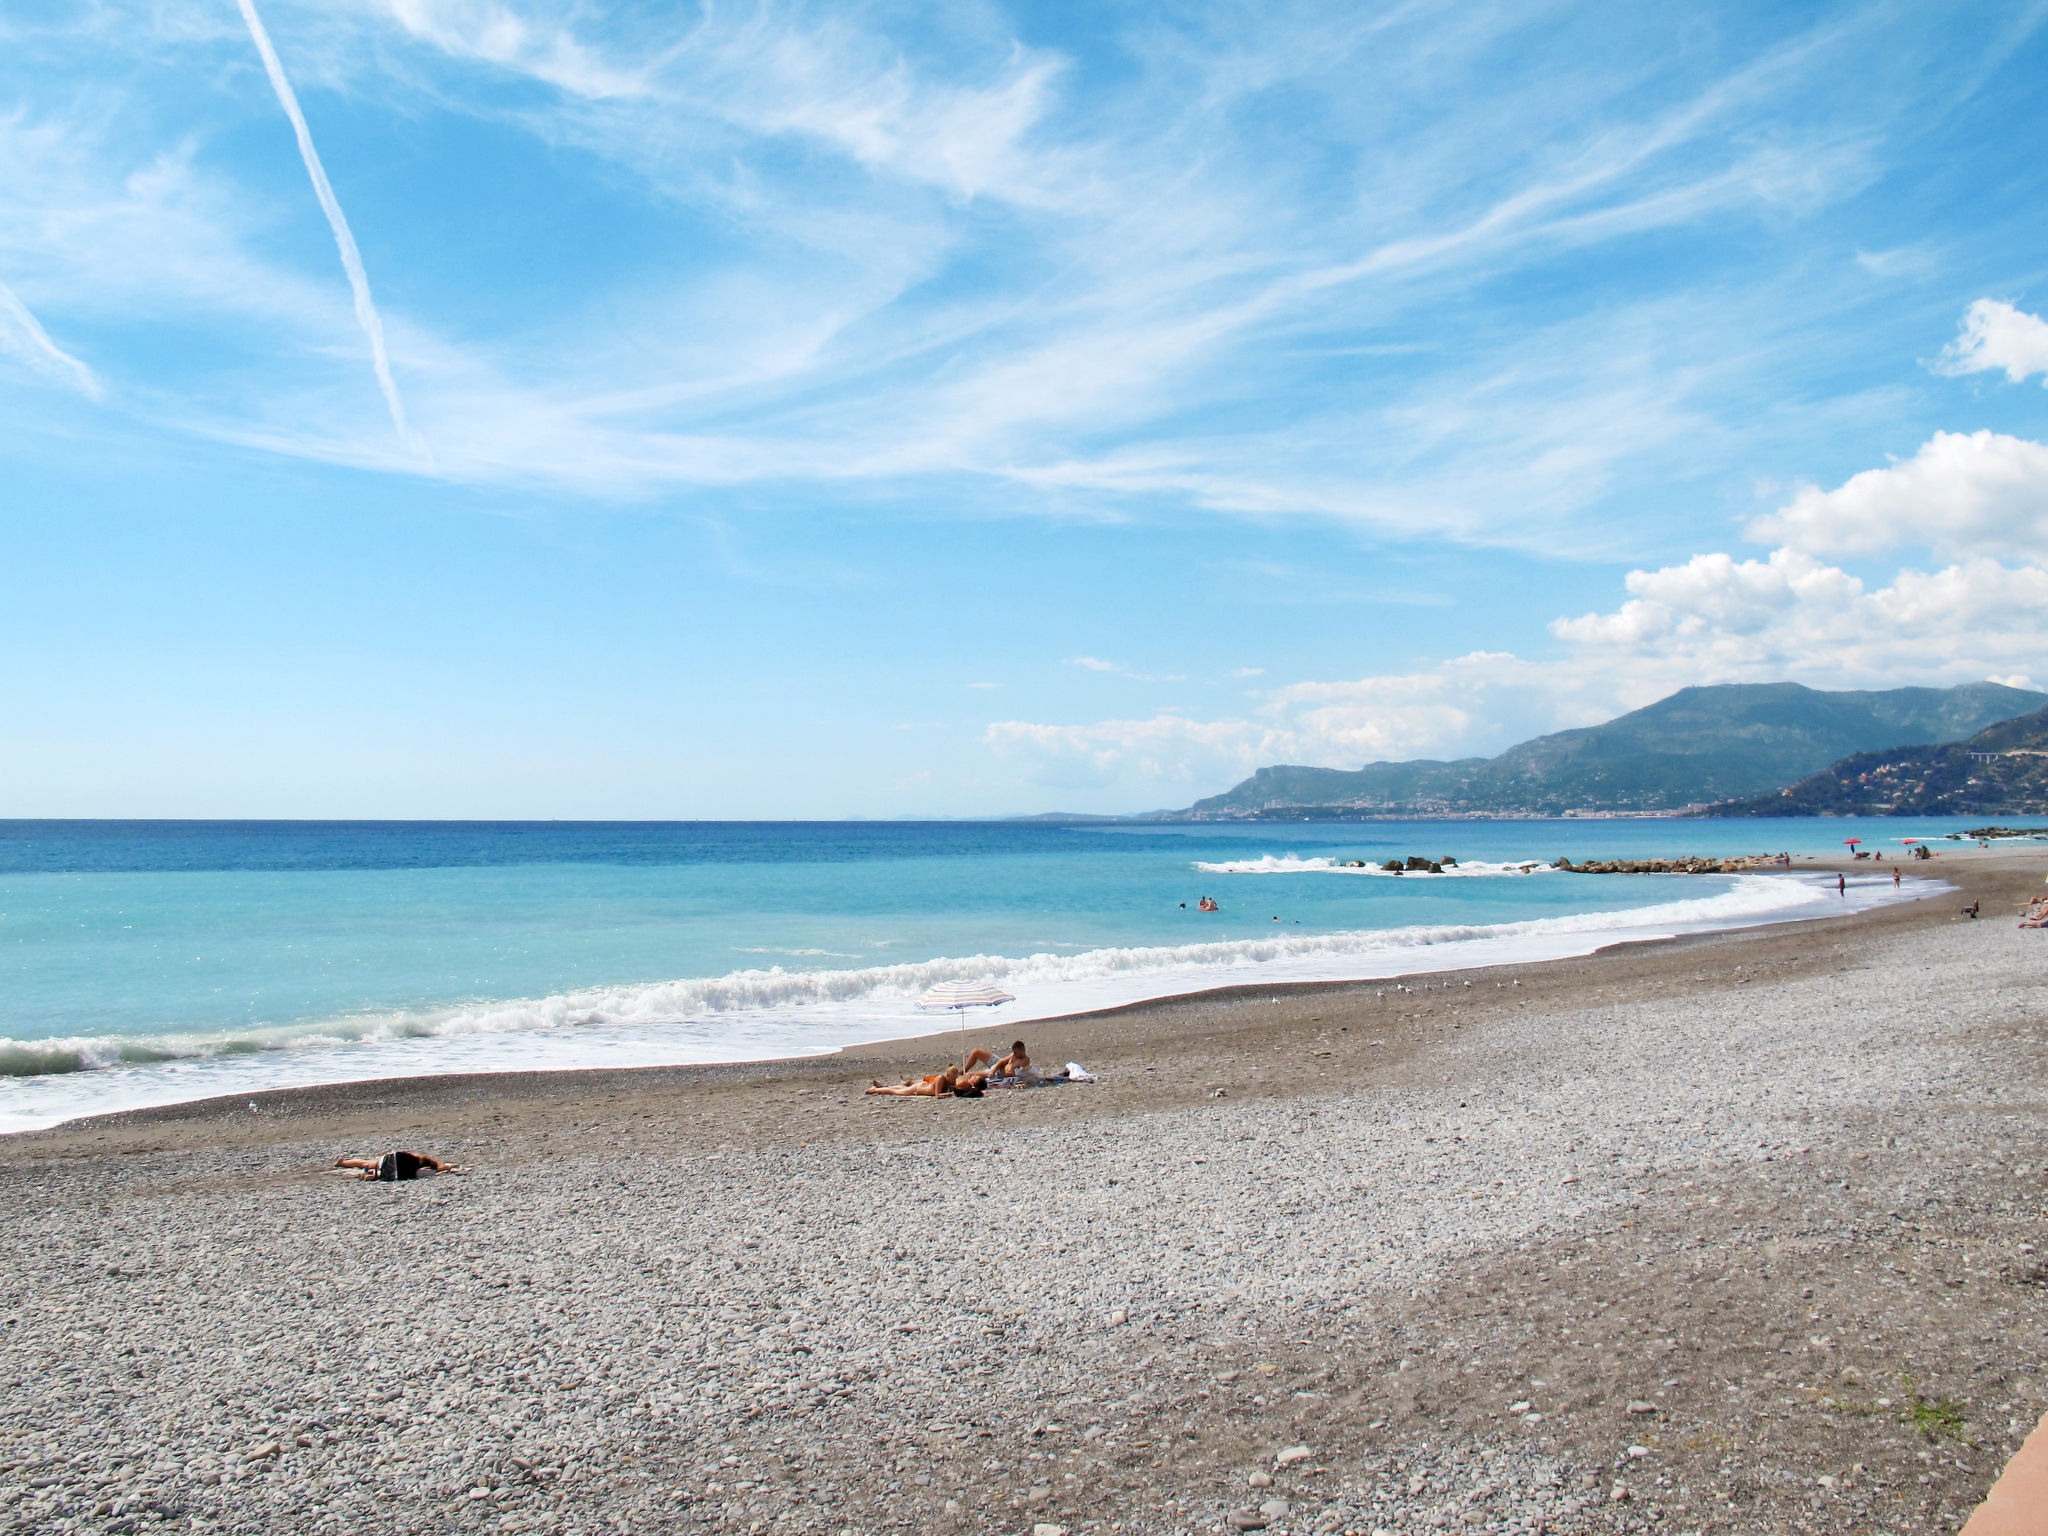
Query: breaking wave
1290,864
768,1007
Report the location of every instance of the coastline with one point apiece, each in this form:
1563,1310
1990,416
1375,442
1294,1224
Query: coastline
1713,1198
1374,958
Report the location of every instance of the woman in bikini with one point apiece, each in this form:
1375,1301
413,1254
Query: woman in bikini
962,1082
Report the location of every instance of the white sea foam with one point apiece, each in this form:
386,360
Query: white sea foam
1292,864
761,1013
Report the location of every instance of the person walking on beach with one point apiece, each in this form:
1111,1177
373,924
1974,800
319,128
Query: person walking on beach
1895,877
1841,885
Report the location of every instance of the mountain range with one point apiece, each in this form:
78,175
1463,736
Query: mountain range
2000,771
1736,742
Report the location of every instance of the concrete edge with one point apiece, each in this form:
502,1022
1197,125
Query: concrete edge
2017,1504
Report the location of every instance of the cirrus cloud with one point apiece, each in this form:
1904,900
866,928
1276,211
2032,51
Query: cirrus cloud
22,337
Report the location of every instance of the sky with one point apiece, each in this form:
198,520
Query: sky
455,408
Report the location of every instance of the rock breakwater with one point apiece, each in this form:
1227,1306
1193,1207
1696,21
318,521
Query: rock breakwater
1681,866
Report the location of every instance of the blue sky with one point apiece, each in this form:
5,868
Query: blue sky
880,410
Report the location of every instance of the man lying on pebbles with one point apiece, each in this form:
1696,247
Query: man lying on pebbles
396,1165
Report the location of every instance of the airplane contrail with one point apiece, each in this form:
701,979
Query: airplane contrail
351,258
23,336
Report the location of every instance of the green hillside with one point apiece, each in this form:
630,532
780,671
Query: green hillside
1735,741
2002,771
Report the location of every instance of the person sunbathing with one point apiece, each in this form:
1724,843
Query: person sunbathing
930,1087
1016,1064
952,1082
396,1165
963,1081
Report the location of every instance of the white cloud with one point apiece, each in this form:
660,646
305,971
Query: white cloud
1962,494
941,251
1447,709
1118,669
1167,752
773,71
23,338
1717,619
1996,335
1901,261
1714,619
344,239
1247,671
1473,703
495,34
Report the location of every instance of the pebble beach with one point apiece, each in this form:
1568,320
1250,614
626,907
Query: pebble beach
1735,1232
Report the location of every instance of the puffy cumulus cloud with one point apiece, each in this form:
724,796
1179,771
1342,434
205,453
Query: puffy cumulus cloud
1996,335
1714,607
1718,619
1449,709
1980,499
1714,619
1471,704
1962,494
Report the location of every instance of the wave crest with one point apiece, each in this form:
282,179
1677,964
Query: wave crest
878,992
1292,864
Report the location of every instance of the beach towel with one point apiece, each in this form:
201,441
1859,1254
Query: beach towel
1076,1073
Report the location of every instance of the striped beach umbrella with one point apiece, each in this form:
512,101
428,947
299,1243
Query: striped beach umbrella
964,994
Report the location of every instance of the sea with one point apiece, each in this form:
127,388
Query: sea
150,963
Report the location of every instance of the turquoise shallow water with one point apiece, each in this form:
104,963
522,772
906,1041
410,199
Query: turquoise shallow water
151,962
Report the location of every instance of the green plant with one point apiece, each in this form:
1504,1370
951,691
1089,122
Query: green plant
1936,1418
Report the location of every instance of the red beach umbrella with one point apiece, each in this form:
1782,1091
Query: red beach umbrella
1851,842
